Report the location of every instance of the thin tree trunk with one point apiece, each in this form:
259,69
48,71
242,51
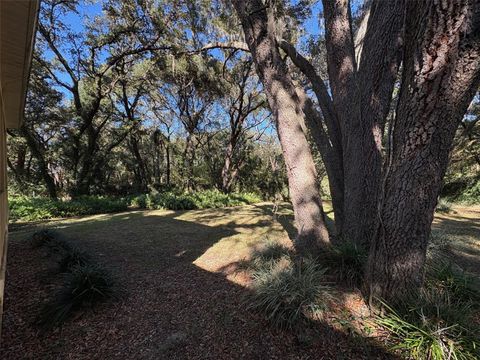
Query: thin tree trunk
189,157
167,154
288,114
227,169
440,77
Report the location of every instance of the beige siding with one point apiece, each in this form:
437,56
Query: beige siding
17,31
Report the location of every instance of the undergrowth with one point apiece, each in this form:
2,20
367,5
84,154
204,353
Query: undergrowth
84,286
444,206
346,262
24,208
189,201
289,293
441,322
85,283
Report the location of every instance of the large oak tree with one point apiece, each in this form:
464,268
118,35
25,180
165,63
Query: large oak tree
390,211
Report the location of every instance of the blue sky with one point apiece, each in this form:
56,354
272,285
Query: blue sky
86,10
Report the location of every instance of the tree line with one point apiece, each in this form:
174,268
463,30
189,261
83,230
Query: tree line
127,103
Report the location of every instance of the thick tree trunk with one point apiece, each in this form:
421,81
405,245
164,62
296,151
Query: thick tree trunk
351,143
342,71
289,117
331,156
363,137
361,97
37,152
142,174
440,77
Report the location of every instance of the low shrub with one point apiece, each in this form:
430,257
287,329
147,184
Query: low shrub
189,201
85,283
444,207
51,240
420,334
448,277
346,262
73,258
84,286
441,322
289,293
268,254
24,208
464,190
43,238
34,208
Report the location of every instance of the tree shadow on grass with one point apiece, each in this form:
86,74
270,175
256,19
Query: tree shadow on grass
463,236
285,217
173,308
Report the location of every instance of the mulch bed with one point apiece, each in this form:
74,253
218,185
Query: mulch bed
168,308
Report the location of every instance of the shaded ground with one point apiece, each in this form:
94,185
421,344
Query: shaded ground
462,225
181,297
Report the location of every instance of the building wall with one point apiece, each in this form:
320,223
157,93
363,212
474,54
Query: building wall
3,204
17,31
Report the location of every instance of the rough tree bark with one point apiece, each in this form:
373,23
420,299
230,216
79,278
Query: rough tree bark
440,76
289,117
38,153
354,114
361,96
328,142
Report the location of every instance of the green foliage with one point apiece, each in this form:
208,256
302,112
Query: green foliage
84,286
272,251
439,323
36,208
289,293
444,206
449,278
72,258
346,261
188,201
53,241
267,255
43,238
24,208
471,195
428,336
85,283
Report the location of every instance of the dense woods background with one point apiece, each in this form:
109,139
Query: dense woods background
126,104
277,99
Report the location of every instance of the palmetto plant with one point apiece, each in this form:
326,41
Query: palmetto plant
85,286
